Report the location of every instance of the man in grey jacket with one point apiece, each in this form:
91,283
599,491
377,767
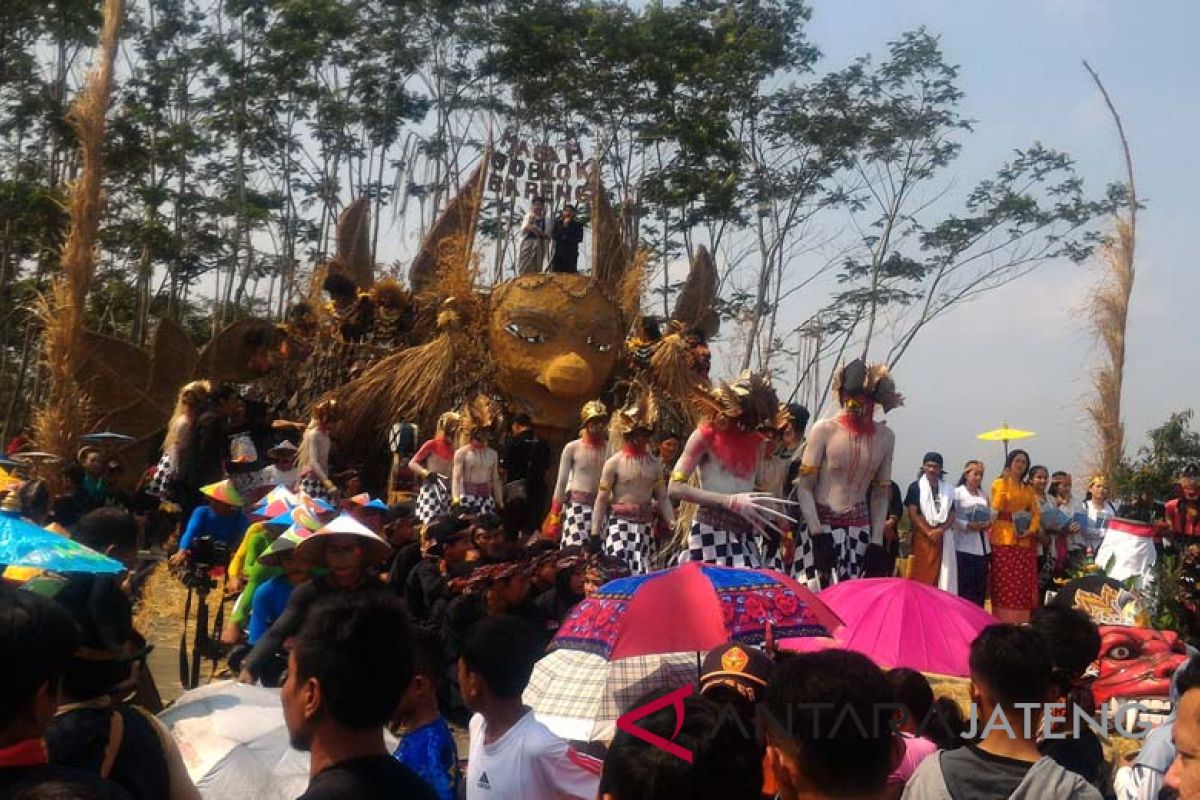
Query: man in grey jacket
1010,667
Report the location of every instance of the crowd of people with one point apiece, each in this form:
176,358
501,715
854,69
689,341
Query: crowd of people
764,724
426,609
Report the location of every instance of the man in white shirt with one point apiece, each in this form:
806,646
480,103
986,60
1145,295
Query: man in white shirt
535,236
283,470
512,755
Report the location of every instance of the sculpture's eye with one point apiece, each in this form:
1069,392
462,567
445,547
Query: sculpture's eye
525,332
1121,652
600,345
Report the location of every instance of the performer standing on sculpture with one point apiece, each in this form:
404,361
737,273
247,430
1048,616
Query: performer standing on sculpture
475,477
728,452
630,480
313,457
579,476
848,458
432,465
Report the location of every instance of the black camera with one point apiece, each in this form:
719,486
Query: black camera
207,552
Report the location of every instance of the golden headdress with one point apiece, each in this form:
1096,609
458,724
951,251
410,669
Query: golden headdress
873,380
592,409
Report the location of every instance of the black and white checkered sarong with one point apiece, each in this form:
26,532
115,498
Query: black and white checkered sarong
723,548
849,543
770,552
433,500
312,486
163,473
577,524
476,504
632,542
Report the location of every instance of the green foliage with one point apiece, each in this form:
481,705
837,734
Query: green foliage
1156,467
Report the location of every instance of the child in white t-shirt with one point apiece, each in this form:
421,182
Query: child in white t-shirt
512,755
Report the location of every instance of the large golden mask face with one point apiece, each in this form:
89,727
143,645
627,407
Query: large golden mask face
556,340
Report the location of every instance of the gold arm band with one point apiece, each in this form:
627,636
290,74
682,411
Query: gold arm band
808,469
882,484
604,487
678,476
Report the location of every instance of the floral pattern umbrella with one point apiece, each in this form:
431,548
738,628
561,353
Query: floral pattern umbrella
693,607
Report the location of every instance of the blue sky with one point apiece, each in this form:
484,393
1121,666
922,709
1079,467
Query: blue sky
1023,354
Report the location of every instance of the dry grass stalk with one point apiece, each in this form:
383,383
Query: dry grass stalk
65,415
1109,313
631,287
420,382
610,252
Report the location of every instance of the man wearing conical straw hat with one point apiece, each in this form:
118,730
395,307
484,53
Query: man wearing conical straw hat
346,548
579,476
221,520
630,481
847,457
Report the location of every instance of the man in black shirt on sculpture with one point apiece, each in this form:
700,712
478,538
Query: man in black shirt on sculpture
349,665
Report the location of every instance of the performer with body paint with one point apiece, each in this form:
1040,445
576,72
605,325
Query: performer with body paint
579,471
630,480
847,459
475,478
432,465
728,454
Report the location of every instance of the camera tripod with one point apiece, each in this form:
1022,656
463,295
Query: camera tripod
199,581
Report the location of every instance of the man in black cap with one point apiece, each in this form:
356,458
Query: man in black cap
737,674
400,532
427,591
930,504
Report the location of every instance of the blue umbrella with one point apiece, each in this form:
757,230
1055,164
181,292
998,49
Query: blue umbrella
23,544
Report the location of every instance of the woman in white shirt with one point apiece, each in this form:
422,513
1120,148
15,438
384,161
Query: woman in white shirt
969,533
1099,511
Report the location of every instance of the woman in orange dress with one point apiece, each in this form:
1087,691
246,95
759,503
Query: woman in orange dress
1014,544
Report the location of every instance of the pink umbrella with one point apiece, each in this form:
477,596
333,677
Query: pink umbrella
901,623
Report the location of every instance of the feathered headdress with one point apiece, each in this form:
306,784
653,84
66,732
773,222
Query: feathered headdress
638,413
479,413
748,399
875,381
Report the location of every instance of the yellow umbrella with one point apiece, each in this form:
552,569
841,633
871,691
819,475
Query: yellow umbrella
1005,434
